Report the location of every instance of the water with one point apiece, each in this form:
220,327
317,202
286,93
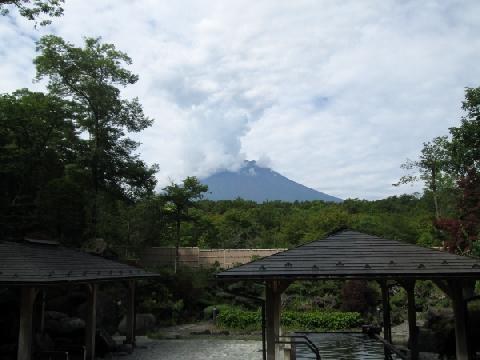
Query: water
343,346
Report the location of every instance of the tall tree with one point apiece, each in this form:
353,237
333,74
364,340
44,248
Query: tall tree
465,144
92,77
464,148
430,168
179,199
33,10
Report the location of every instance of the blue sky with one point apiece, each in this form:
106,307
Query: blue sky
333,94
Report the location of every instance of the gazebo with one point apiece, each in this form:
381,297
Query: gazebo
34,266
349,254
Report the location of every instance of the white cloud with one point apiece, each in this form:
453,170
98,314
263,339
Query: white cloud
334,95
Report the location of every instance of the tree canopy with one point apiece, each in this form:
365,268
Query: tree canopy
449,167
91,78
34,10
73,138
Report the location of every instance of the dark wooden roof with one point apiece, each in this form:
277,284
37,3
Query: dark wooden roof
30,263
351,254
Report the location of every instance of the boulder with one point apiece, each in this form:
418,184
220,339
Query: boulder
61,323
144,324
104,343
108,314
427,340
440,331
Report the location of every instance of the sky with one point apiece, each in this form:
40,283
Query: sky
335,95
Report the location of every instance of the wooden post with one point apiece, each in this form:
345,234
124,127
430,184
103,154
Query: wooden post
91,321
412,320
387,323
460,312
273,304
42,311
131,313
26,319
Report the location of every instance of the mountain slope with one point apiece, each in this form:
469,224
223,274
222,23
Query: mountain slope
259,184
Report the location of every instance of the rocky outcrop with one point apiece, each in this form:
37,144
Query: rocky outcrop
60,323
144,324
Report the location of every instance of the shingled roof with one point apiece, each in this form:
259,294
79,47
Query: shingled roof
47,263
351,254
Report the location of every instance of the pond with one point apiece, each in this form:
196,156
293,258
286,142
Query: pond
343,346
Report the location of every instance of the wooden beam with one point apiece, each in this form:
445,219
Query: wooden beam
282,285
131,314
272,315
460,311
26,319
412,320
443,285
91,321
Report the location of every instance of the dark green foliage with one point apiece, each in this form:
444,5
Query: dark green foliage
179,199
245,224
91,77
57,184
60,208
34,9
38,141
237,318
449,166
178,297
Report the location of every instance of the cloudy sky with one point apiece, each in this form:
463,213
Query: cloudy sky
332,94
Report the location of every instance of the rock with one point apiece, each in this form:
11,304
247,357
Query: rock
55,315
427,340
104,342
61,323
144,323
371,330
108,315
441,323
65,303
44,342
202,332
221,333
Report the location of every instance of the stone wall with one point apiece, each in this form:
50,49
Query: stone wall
196,257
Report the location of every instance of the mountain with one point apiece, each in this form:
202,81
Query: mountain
259,184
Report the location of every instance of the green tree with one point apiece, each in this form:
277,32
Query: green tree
37,141
179,199
91,77
61,210
465,144
33,10
431,168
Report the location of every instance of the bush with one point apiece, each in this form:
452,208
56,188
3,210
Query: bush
321,320
236,318
208,311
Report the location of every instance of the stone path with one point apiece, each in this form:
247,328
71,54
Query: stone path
195,349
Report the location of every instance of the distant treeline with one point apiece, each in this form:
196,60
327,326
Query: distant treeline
246,224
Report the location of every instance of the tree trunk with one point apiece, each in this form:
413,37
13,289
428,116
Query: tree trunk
434,191
95,178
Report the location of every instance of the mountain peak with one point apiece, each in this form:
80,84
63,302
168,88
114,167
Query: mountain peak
257,183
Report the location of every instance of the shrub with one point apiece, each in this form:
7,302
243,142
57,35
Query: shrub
236,318
208,311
